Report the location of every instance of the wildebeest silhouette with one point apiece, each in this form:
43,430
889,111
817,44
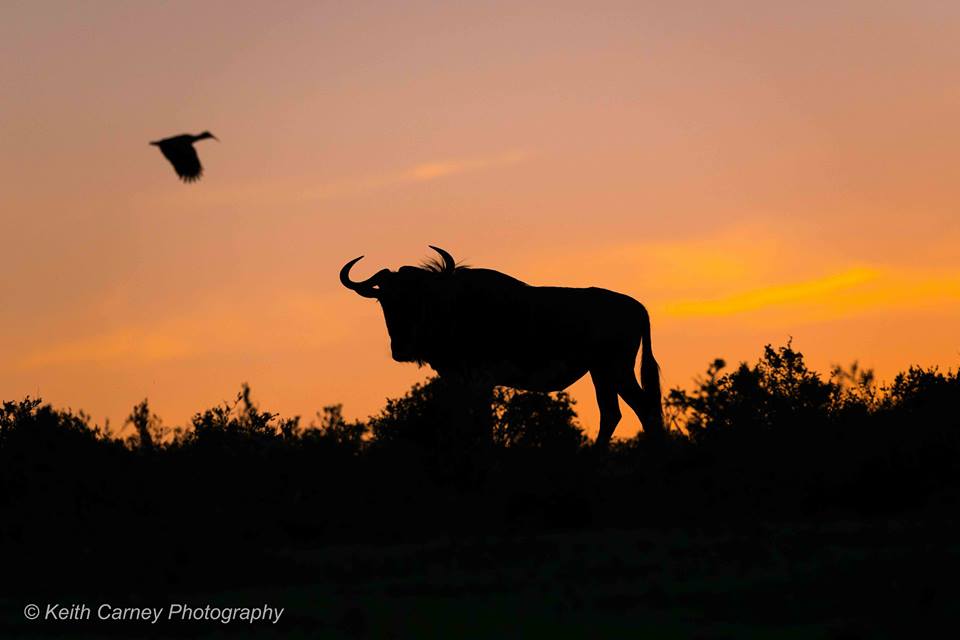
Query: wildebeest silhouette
485,325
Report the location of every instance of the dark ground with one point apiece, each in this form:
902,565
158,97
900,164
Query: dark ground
793,507
835,579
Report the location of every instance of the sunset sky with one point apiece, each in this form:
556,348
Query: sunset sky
751,171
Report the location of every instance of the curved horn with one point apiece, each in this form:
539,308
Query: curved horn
364,288
448,262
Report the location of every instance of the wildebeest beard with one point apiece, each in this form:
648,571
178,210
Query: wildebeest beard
490,326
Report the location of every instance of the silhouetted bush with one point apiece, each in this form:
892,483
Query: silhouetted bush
241,423
770,439
428,416
779,430
532,420
337,432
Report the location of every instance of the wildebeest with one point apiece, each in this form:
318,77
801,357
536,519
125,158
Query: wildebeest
488,326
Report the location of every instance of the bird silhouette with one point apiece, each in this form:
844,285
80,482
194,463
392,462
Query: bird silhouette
181,154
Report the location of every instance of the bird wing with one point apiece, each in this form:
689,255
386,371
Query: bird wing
183,157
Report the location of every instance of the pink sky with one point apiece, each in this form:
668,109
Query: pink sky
751,171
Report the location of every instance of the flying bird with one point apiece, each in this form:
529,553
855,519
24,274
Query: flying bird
181,154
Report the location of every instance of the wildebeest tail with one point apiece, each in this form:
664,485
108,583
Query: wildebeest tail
650,372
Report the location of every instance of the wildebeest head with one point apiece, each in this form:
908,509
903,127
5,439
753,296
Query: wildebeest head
410,298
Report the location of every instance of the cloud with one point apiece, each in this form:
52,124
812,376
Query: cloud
137,345
419,173
306,189
289,320
850,291
749,271
817,289
434,170
694,267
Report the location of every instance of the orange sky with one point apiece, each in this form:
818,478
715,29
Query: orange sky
749,170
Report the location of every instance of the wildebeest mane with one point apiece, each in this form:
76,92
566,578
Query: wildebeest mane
435,265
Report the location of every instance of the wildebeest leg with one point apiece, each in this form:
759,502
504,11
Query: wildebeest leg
471,399
479,409
609,407
646,407
464,446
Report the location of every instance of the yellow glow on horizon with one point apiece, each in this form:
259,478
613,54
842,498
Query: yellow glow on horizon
810,290
857,289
